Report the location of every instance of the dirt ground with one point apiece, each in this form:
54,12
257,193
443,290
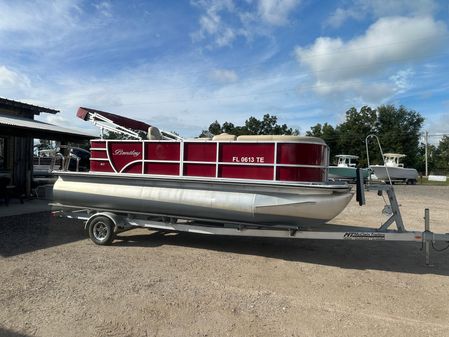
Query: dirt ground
56,282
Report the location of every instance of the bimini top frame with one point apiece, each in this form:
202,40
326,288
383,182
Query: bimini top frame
119,124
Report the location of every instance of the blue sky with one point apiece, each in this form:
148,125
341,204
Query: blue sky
180,65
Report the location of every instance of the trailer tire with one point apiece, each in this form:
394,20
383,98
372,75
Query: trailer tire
101,230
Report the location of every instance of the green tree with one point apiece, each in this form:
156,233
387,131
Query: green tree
215,128
268,125
442,156
354,130
44,144
399,130
329,134
431,158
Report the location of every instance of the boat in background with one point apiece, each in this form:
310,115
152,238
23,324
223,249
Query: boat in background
345,169
394,170
49,160
46,161
262,180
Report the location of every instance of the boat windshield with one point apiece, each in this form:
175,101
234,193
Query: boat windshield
346,161
393,160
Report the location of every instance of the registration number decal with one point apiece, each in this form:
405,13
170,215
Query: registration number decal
248,160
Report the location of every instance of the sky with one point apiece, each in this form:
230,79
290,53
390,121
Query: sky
180,65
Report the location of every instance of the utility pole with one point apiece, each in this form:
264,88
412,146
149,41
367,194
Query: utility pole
427,142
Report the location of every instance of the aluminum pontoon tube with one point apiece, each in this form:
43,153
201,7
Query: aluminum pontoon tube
306,204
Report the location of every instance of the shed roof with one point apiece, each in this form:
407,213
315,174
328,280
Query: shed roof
11,104
25,127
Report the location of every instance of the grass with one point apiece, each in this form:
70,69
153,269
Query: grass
424,181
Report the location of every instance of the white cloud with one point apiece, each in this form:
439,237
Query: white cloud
104,7
36,15
358,9
341,15
172,101
401,79
438,125
342,94
9,77
211,23
37,23
56,119
336,64
224,21
276,12
224,75
13,82
226,37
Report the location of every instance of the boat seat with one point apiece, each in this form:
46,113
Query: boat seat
154,133
286,138
224,136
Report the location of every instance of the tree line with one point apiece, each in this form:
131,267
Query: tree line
399,130
268,125
438,157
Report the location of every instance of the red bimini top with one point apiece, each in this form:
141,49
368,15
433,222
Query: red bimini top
267,158
85,113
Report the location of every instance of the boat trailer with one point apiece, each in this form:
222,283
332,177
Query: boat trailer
102,225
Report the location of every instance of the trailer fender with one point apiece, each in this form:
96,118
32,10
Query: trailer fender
119,221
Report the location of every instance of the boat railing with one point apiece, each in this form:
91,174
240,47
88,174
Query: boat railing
47,160
272,160
65,155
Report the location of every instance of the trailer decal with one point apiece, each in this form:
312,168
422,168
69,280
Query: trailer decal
363,236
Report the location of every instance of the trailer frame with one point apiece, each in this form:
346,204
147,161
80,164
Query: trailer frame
103,231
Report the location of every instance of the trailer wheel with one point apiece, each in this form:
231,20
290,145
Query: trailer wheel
101,230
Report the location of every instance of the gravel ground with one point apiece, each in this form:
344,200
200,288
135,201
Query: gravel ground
56,282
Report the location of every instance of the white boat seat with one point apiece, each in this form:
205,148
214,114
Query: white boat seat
154,133
286,138
224,136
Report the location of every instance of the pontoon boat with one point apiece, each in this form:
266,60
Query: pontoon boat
264,180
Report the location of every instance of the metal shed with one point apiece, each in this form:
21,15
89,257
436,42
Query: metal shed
17,131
